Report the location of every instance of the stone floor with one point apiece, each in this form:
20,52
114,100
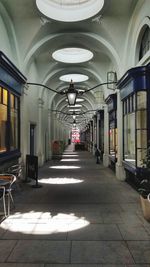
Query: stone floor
80,217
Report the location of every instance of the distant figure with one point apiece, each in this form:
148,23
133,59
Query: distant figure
97,154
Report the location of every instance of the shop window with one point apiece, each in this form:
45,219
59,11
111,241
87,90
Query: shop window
141,126
113,141
135,128
9,121
113,135
111,101
3,121
134,87
145,43
129,137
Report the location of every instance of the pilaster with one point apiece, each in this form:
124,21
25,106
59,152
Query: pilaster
39,133
106,138
120,173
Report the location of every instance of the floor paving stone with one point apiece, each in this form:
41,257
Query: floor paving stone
6,246
96,232
140,251
35,251
81,217
130,232
21,265
100,252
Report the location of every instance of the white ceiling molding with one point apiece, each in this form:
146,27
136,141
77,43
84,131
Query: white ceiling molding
69,10
72,55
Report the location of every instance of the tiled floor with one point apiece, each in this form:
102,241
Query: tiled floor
80,217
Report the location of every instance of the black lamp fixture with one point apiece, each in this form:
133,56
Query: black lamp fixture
71,94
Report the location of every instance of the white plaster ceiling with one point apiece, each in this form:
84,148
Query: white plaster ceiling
69,10
38,36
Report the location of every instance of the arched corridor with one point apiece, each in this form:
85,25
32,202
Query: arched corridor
81,216
75,90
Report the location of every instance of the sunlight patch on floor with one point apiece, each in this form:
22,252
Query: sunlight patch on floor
70,155
65,167
58,180
69,160
40,223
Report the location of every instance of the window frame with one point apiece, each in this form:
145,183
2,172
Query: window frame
135,109
145,42
10,153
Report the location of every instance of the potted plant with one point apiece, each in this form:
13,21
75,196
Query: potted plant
144,188
144,191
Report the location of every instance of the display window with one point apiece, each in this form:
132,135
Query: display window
135,97
141,126
113,139
113,134
135,128
11,89
9,121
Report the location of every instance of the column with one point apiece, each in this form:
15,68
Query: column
106,138
94,134
49,134
98,133
120,173
39,133
91,135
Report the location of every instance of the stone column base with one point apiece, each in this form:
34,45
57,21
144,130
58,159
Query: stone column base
120,172
105,160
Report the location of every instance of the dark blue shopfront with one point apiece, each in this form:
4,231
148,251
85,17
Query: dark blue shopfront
11,82
135,96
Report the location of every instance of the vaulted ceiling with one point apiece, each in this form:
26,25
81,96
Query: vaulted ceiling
38,36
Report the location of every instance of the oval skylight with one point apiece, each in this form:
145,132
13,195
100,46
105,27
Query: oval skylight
78,100
75,106
71,110
69,10
74,77
72,55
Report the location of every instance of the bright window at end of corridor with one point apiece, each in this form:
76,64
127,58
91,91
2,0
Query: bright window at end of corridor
69,10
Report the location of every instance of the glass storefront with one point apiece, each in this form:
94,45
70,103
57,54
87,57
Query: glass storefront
129,130
11,89
135,128
141,127
9,122
113,138
135,96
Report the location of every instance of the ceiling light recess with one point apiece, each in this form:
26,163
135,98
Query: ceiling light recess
76,110
74,77
75,106
72,55
78,100
69,10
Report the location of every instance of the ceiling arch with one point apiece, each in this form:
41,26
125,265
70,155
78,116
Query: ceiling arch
37,47
11,33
